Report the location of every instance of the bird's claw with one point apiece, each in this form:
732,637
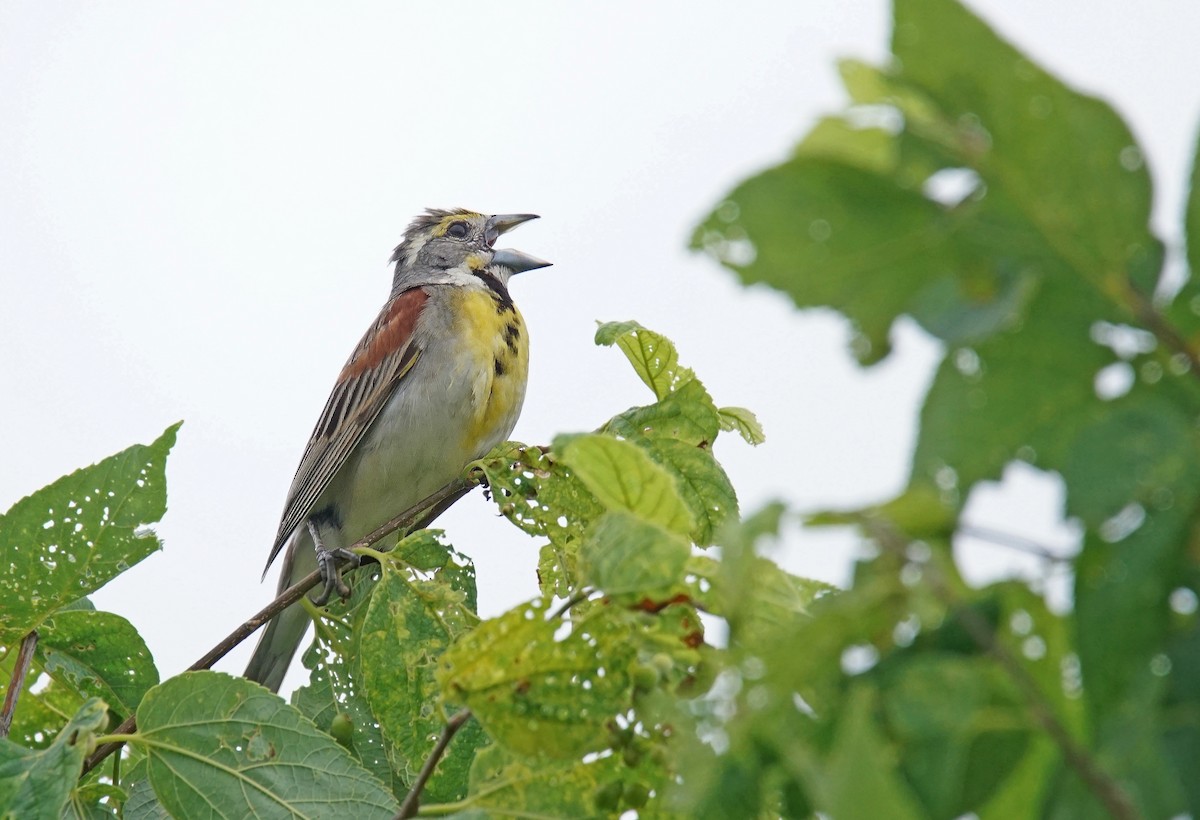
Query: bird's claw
328,562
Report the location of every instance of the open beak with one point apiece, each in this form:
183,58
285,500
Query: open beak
517,261
503,223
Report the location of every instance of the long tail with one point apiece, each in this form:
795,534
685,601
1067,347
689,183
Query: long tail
281,638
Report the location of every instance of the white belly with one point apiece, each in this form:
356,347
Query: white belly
415,447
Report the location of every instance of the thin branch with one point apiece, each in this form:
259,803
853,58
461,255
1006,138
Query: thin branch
417,513
17,684
577,598
1098,781
1014,542
412,800
1162,329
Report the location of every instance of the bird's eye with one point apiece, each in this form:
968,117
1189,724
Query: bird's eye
457,230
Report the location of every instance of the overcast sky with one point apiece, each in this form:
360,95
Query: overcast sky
198,202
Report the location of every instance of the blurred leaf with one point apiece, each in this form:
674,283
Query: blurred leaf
834,138
415,611
44,707
223,746
860,778
537,691
1067,159
826,234
98,654
72,537
37,784
624,554
1183,312
960,725
623,477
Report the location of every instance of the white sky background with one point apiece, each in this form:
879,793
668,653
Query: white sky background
197,203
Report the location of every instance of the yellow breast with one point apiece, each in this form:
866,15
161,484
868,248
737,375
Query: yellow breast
493,337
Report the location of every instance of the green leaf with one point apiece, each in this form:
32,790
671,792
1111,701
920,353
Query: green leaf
744,423
1184,310
624,554
1139,448
830,234
95,801
686,413
860,778
701,482
72,537
98,654
1066,159
37,784
536,691
623,477
1022,393
761,601
223,746
415,611
834,138
652,355
538,493
335,696
142,804
961,728
503,785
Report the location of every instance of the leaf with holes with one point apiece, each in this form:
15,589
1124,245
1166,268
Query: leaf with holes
537,691
97,654
652,355
226,747
416,610
702,483
72,537
744,423
686,413
36,784
538,493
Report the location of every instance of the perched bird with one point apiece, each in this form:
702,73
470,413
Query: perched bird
436,382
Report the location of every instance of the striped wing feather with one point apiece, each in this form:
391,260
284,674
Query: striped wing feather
376,368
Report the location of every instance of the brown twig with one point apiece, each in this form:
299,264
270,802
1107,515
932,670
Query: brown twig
17,684
412,800
1163,330
1093,775
1013,542
417,513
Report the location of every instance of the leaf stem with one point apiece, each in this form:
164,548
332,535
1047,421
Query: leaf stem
17,683
1102,784
412,800
419,513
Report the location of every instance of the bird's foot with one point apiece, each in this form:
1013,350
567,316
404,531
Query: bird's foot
329,563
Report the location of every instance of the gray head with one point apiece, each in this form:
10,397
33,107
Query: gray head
438,241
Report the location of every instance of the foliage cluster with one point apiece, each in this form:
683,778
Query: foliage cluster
964,187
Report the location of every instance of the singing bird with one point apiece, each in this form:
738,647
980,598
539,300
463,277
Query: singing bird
437,380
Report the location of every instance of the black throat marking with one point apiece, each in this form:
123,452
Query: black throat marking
504,302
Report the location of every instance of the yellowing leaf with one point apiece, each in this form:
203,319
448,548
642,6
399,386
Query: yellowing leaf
536,691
